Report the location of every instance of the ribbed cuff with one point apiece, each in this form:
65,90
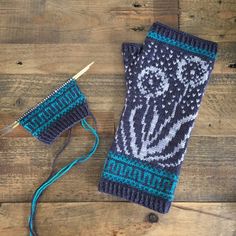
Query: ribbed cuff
138,182
64,123
134,195
183,40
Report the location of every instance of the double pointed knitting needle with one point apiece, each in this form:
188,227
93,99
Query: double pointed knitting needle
75,77
12,126
9,128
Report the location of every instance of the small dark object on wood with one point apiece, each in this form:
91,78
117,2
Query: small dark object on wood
153,218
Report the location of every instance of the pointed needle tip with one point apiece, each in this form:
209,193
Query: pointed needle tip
83,71
91,63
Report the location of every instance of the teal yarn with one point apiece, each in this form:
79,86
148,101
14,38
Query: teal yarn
54,177
58,112
181,45
142,176
141,165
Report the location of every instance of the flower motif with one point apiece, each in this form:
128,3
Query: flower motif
152,82
192,70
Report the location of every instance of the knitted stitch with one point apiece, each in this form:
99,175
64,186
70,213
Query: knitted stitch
58,112
141,175
165,80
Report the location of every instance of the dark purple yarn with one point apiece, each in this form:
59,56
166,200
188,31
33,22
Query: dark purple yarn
64,123
165,78
134,195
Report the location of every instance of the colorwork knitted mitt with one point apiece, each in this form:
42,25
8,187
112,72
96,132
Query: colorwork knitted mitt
165,79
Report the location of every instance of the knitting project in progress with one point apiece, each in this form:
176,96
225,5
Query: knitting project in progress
165,80
58,112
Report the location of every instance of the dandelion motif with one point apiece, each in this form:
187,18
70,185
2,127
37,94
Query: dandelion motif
152,82
150,137
192,70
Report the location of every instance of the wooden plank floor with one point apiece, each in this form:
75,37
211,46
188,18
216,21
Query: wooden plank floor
42,43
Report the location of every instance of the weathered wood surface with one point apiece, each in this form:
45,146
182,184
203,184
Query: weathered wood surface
210,161
208,173
44,42
120,219
209,165
82,21
211,19
69,58
106,97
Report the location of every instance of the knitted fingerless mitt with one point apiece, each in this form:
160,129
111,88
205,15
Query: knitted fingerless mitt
165,79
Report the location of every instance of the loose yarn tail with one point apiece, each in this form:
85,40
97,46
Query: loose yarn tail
55,176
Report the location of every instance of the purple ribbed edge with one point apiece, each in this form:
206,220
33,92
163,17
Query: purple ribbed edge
184,37
133,195
64,123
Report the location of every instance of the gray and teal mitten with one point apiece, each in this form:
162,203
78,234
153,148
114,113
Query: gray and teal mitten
165,79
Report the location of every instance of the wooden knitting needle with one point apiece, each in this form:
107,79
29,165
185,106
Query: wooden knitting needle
8,128
12,126
75,77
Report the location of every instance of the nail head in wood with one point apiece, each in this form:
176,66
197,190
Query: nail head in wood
153,218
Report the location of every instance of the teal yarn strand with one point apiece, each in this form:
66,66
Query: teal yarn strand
54,177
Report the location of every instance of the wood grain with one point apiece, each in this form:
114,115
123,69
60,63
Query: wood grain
208,172
215,20
26,160
44,42
82,21
70,58
106,97
82,219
